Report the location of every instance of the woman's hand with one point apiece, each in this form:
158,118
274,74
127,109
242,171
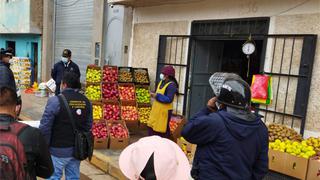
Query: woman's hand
212,104
153,95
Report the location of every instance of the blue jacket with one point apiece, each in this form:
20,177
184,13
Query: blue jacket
228,147
60,67
6,76
50,113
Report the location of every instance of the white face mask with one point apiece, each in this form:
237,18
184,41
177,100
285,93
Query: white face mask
64,59
162,76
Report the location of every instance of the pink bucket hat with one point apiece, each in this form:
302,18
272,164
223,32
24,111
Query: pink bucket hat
169,71
170,163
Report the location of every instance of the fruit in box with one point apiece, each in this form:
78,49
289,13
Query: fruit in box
93,92
111,112
144,114
129,113
97,111
300,149
125,76
93,75
110,91
127,92
174,122
282,133
118,131
99,130
110,74
143,95
314,142
141,76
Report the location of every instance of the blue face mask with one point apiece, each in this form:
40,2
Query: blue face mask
161,76
64,59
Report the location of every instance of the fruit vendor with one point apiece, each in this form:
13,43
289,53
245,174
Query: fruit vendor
66,64
232,141
161,111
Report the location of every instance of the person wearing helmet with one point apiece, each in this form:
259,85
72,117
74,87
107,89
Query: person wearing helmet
65,64
161,111
232,141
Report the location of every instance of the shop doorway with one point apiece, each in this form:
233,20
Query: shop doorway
34,59
11,45
212,56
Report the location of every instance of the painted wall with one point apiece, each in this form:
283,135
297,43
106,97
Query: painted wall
21,16
150,22
23,46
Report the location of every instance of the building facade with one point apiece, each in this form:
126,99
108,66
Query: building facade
21,30
233,21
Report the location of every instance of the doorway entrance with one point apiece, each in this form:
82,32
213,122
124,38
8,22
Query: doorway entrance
11,45
34,62
223,55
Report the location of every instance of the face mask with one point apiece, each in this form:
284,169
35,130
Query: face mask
162,76
64,59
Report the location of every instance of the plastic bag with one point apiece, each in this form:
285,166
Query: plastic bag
261,89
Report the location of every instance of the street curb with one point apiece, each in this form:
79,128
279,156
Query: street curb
105,164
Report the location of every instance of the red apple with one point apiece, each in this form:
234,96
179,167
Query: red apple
127,92
118,131
111,112
110,91
110,74
99,130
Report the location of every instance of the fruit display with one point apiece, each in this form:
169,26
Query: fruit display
143,95
118,131
93,92
299,149
99,130
110,74
129,113
97,111
144,114
110,91
282,133
126,92
125,75
111,112
141,76
188,148
93,75
314,142
174,122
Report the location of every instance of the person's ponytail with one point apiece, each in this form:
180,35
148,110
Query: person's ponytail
173,79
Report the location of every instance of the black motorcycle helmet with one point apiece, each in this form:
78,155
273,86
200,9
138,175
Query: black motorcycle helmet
231,90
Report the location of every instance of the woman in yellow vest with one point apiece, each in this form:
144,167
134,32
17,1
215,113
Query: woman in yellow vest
162,106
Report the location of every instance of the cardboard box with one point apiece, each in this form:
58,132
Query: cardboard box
277,161
180,122
188,148
118,143
313,170
295,166
101,143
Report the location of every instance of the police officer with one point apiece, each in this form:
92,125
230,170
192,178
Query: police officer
232,141
65,64
56,126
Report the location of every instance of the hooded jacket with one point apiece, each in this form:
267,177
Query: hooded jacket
228,147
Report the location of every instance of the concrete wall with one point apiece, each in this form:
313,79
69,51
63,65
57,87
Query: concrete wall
150,22
21,16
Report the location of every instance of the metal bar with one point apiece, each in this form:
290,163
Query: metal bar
170,49
280,113
175,58
246,35
279,79
181,59
182,65
287,75
273,54
288,82
187,76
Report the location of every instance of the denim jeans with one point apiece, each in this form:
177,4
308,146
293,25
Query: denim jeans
70,165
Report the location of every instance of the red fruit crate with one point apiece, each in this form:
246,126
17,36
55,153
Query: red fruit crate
141,76
176,124
130,114
119,135
110,91
101,135
127,92
125,74
111,110
110,74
